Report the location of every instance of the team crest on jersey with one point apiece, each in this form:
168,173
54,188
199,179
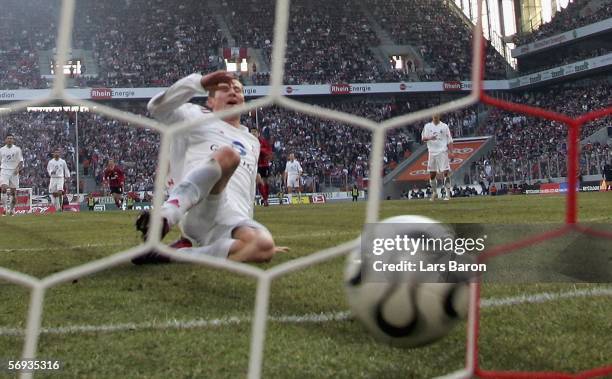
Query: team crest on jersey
240,148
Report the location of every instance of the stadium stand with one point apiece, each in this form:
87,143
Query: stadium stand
23,33
175,40
38,133
327,43
577,14
427,25
522,141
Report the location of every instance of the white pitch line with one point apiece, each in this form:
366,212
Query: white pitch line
129,243
74,247
292,319
544,297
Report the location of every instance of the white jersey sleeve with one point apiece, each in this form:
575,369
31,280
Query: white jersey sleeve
19,155
449,137
166,106
51,168
66,170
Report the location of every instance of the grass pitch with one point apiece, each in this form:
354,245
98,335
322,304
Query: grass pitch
134,311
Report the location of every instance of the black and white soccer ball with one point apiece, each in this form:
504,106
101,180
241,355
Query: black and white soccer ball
403,312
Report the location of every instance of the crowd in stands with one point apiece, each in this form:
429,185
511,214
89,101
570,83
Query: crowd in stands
26,28
593,158
529,147
577,14
331,153
556,60
37,134
443,39
147,43
328,42
140,43
329,149
133,149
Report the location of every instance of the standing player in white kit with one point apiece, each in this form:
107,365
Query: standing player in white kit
11,163
58,172
440,147
213,169
293,175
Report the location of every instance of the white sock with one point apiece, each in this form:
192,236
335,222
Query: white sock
196,186
4,198
447,184
434,187
219,249
9,202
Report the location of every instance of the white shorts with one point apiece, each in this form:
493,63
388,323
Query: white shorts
7,178
56,185
438,162
293,181
212,219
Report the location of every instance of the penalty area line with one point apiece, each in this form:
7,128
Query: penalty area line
292,319
129,244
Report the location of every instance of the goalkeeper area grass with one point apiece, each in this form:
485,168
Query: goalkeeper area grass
182,320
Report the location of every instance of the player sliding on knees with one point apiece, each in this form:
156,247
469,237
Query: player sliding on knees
440,147
213,169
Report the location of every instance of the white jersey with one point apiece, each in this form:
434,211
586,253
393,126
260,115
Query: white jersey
443,134
293,168
10,157
58,168
196,145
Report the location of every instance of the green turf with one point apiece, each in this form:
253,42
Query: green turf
562,335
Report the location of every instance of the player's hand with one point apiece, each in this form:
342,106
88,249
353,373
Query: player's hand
281,249
213,79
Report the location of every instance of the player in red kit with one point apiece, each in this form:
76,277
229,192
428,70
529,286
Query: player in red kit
115,178
263,166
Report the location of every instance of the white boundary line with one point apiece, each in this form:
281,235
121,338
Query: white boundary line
129,243
292,319
73,247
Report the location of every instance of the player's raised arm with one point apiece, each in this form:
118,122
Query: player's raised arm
164,105
49,168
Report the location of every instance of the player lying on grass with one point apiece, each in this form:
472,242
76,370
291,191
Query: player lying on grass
213,169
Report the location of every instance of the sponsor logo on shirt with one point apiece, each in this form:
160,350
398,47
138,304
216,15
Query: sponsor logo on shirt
238,146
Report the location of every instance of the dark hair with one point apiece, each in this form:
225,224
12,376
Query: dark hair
9,135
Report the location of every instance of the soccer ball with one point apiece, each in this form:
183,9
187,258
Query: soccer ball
404,312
